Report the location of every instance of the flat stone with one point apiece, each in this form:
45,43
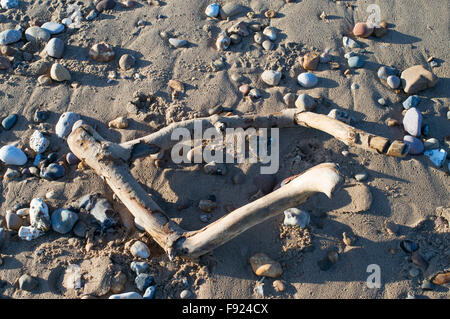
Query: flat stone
63,220
55,48
37,34
417,78
13,221
412,122
263,265
361,176
431,143
12,155
177,43
355,62
53,27
149,292
120,123
437,156
349,43
393,81
230,9
10,36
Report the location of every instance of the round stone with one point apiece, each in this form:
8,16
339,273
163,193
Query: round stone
71,159
412,122
185,294
267,45
53,27
38,142
271,77
362,29
305,102
143,281
382,101
59,73
212,10
37,34
127,62
393,81
307,79
355,62
102,52
244,89
9,121
80,229
52,172
55,48
263,265
65,123
296,217
10,36
63,220
12,155
271,33
140,250
415,145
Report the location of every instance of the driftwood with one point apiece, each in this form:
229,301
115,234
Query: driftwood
110,161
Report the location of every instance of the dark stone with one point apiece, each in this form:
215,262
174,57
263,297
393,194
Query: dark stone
143,281
80,229
63,220
9,121
105,5
40,116
52,172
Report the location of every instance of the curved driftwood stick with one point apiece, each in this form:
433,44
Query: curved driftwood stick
285,119
101,156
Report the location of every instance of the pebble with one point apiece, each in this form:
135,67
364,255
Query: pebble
289,99
185,294
408,246
415,145
355,62
139,267
263,265
11,174
65,123
223,42
23,212
305,102
52,172
361,176
340,115
427,285
39,216
307,79
271,33
28,233
348,55
267,45
9,4
12,155
10,36
26,282
279,286
80,229
244,89
212,10
349,43
40,116
126,62
63,220
177,43
436,156
59,73
271,77
140,250
230,9
412,122
393,81
417,78
310,61
143,281
207,205
296,217
255,93
258,38
382,101
126,295
120,123
385,71
105,5
419,260
150,292
53,27
55,48
5,64
71,159
37,34
38,142
431,143
362,29
102,52
411,101
13,221
9,121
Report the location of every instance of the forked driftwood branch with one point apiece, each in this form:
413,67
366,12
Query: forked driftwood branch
110,161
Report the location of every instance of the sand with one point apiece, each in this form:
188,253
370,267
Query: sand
405,191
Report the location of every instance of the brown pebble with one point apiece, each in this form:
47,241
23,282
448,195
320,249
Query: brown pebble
270,14
347,72
176,85
442,279
244,89
310,61
263,265
102,52
384,24
120,123
391,122
362,29
279,286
